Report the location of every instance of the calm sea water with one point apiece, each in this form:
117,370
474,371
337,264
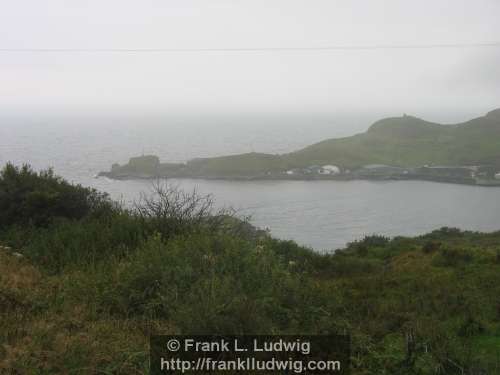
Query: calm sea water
322,214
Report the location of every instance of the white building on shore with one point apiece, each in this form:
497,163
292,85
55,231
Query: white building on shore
329,169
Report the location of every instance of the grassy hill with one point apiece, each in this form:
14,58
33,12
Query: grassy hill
409,141
95,280
250,164
400,141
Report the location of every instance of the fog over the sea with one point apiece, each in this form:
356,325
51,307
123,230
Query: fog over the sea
85,84
443,83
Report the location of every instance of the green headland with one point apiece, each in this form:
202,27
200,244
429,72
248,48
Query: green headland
403,147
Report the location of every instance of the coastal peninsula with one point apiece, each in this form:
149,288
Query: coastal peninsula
397,148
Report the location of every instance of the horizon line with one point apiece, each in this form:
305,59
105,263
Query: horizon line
252,49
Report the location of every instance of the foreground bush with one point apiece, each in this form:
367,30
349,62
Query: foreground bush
36,198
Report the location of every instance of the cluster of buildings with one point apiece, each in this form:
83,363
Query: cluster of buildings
472,173
315,169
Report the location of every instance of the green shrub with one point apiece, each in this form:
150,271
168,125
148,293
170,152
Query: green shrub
431,246
362,247
445,232
31,198
375,240
170,211
451,256
205,283
69,243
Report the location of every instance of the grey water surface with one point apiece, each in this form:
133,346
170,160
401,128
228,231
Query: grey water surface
322,214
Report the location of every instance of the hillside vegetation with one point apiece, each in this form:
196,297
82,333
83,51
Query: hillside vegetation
250,164
409,141
404,141
82,289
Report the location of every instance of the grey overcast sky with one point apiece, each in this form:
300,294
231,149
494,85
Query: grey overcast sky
397,80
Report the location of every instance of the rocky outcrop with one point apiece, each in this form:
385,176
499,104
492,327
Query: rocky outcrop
146,166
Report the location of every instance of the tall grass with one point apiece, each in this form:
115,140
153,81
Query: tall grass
91,288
